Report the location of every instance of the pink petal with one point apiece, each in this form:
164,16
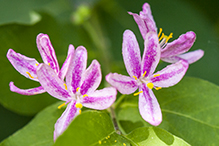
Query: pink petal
124,84
32,91
100,99
149,107
47,52
131,54
66,64
24,65
76,69
192,56
52,83
151,56
170,75
92,78
66,118
179,46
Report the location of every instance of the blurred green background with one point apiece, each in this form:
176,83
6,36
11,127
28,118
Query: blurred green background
99,26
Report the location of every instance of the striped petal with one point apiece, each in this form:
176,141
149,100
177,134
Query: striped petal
52,83
192,56
47,51
131,54
170,75
100,99
24,65
149,107
76,69
92,78
32,91
151,56
66,118
124,84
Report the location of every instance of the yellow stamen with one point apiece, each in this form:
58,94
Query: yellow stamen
85,95
150,85
158,88
48,63
78,105
124,144
156,75
29,75
77,89
99,142
108,136
135,77
79,111
65,86
168,37
115,140
36,64
160,31
135,94
144,73
161,37
59,107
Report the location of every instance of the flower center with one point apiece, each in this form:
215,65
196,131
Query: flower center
163,39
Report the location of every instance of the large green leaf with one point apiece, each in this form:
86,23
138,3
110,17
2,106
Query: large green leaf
189,111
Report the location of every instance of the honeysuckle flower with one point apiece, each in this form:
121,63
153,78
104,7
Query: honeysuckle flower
170,52
28,66
79,89
142,74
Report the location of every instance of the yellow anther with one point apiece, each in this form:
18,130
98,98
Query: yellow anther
59,107
150,85
168,37
135,94
79,111
29,75
135,77
78,105
115,140
85,95
48,63
158,88
161,37
124,144
108,136
65,86
144,73
77,89
160,31
36,64
100,142
156,75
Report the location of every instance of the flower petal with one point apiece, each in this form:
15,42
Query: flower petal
149,107
47,51
131,54
52,83
66,118
92,78
76,69
145,20
66,64
170,75
151,56
100,99
124,84
32,91
192,56
180,45
24,65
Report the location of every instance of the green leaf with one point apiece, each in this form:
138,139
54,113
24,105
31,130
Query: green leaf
91,128
189,111
39,132
154,136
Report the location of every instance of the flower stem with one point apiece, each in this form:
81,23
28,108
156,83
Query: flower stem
113,116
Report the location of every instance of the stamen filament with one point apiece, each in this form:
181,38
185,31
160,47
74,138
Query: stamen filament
85,95
29,75
59,107
144,73
65,86
135,94
135,77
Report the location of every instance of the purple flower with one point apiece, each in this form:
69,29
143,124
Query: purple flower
170,52
142,74
28,66
79,89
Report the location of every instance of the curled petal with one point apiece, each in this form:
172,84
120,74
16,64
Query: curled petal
52,83
151,56
124,84
76,69
24,65
100,99
149,107
92,78
47,51
170,75
192,56
131,54
179,46
66,118
32,91
66,64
